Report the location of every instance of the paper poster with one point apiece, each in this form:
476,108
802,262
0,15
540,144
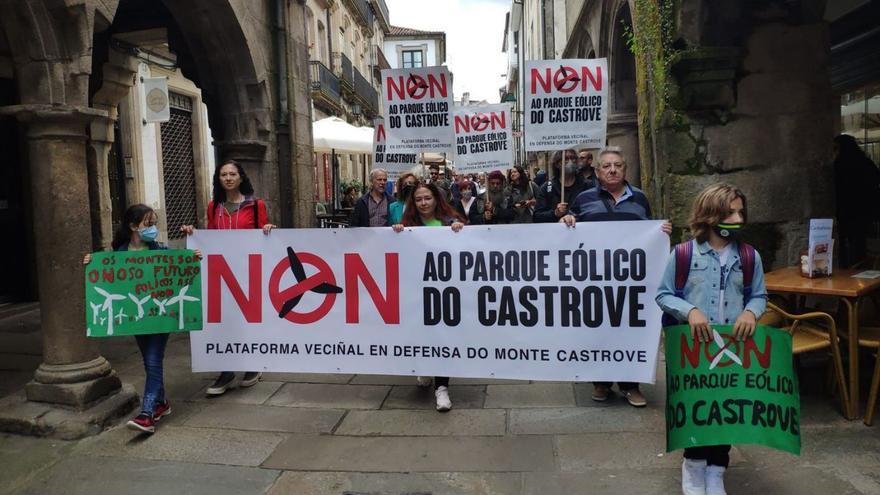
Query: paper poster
566,104
418,105
143,292
483,138
728,391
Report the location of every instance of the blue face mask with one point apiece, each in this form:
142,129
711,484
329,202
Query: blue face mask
149,234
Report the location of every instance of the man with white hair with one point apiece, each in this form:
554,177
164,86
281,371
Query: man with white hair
613,199
371,210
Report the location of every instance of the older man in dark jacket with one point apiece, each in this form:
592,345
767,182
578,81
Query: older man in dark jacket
371,210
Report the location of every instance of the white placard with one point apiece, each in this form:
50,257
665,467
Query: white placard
483,138
566,104
393,163
520,302
156,105
418,104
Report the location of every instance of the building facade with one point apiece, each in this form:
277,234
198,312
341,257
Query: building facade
705,91
77,154
345,41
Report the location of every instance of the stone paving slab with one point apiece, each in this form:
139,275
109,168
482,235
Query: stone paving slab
533,395
605,481
486,381
860,446
585,452
316,483
83,475
383,380
256,394
464,422
308,377
792,479
24,459
175,443
413,454
266,418
541,421
330,396
655,394
413,397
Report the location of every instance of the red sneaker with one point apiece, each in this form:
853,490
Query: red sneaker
162,409
142,422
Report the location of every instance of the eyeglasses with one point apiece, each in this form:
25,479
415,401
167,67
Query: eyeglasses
608,165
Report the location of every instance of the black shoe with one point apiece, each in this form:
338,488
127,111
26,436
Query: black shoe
250,379
221,384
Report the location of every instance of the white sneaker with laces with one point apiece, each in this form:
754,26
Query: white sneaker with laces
424,381
442,396
715,480
693,477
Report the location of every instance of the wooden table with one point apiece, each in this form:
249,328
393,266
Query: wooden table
842,285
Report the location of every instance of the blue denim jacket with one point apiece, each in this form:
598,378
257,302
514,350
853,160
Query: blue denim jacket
703,283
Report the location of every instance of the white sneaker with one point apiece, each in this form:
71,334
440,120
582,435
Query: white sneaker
442,396
693,477
424,381
715,480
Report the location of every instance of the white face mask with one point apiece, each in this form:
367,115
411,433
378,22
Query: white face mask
466,194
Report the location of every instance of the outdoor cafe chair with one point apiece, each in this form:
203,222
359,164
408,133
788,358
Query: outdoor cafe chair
811,332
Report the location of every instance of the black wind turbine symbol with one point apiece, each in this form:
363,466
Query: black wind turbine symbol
414,84
565,78
300,273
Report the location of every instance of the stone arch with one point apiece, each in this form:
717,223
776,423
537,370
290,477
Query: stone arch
622,63
623,123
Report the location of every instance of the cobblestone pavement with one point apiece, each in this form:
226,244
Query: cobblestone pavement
359,434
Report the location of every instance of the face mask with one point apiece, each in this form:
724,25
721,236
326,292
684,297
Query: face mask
466,194
149,234
570,168
406,191
729,231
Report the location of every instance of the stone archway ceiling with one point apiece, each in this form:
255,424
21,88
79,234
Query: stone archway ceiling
214,52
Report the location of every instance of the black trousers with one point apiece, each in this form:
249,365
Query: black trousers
714,455
621,385
441,381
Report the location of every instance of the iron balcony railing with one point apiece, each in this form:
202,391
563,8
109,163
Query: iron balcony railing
324,82
345,71
365,92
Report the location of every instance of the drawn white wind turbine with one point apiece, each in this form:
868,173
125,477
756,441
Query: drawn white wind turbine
161,304
140,304
180,299
120,316
96,310
108,306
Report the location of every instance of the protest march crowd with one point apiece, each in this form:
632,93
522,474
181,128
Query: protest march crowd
577,191
713,280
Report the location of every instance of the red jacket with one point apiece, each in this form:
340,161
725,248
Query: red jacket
219,218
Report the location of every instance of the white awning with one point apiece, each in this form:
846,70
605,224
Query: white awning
336,134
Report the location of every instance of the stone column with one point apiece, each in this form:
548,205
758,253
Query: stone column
73,374
118,79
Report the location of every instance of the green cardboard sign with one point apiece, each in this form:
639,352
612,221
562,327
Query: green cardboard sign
731,392
143,292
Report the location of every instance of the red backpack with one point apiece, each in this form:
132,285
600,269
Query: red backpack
683,254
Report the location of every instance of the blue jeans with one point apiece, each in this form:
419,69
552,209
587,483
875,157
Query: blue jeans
153,350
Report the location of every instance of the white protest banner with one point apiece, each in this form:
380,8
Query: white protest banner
483,138
417,104
566,104
540,302
393,163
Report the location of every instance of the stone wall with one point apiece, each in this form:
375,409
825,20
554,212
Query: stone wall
756,113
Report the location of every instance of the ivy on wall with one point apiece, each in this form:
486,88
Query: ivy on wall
651,41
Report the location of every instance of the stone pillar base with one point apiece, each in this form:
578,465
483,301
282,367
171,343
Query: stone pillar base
21,416
75,385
